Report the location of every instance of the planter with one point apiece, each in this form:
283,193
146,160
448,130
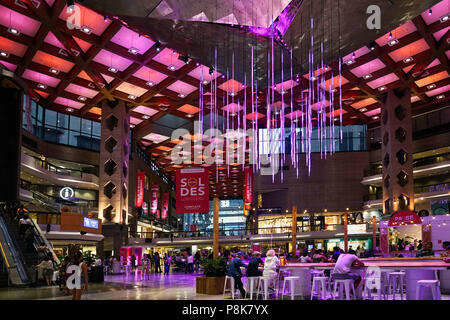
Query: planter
209,285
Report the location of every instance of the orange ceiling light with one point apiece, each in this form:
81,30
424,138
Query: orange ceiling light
432,79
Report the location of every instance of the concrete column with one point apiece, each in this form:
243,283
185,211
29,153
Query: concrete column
294,231
374,233
346,232
396,133
216,228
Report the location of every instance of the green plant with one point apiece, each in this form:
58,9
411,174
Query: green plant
214,268
89,258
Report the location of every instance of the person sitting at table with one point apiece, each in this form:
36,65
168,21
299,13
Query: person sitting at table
447,257
319,257
445,246
304,257
234,270
351,251
426,251
253,265
336,254
271,264
342,269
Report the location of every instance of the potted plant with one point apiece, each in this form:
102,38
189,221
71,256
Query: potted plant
214,276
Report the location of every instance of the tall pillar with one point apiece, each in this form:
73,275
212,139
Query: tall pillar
294,230
216,228
396,132
346,232
374,233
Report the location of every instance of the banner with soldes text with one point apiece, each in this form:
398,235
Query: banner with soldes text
140,177
192,186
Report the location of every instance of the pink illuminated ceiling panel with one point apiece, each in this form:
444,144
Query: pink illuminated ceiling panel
110,59
391,77
358,53
84,75
167,57
286,86
130,39
363,103
85,46
437,91
232,107
368,67
131,89
95,110
135,121
12,47
182,87
321,104
317,72
50,2
232,85
42,94
202,72
431,79
440,9
373,112
294,115
40,78
408,68
9,66
409,50
414,99
254,116
432,64
88,18
69,103
145,110
52,61
334,83
187,108
107,78
336,113
398,33
13,19
50,38
438,35
81,91
148,74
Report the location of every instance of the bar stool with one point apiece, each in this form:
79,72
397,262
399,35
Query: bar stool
432,284
291,281
283,273
232,288
319,287
263,287
396,280
346,284
252,286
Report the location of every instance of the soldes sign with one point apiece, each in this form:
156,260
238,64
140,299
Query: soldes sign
192,185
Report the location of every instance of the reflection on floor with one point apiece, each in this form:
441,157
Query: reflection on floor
176,286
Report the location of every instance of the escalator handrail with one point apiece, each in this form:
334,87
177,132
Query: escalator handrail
41,238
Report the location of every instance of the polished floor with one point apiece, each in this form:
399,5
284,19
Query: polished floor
176,286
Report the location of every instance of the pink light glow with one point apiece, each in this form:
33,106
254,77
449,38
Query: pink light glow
296,114
107,78
148,74
181,87
85,46
336,113
363,103
448,53
135,121
81,91
391,77
434,63
50,2
110,59
10,18
408,68
145,110
316,106
12,47
409,50
40,78
254,116
335,83
42,94
358,53
373,112
438,35
197,73
84,75
437,91
187,108
438,10
50,38
414,99
52,61
10,66
398,33
131,89
129,39
232,107
89,18
167,58
69,103
233,86
286,86
432,79
367,68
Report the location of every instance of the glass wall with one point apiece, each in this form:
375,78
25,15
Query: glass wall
61,128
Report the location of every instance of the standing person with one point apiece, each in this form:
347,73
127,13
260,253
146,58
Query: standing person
77,292
419,246
167,261
47,270
271,264
197,259
342,269
190,263
234,270
254,264
157,263
133,262
145,266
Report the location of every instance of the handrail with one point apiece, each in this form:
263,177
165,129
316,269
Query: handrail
43,239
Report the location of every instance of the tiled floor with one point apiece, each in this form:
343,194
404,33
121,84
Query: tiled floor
176,286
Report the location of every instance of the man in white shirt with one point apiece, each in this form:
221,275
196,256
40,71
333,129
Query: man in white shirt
343,267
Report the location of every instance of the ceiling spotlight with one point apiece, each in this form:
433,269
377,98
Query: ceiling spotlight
408,60
313,78
185,59
13,31
375,117
334,90
205,82
132,125
182,95
440,96
189,115
392,42
69,109
211,72
158,46
54,71
86,29
283,92
133,50
431,86
336,119
430,12
82,98
367,76
232,94
197,64
146,117
372,45
4,54
382,88
363,109
444,18
132,97
112,69
105,18
150,83
42,86
172,67
70,5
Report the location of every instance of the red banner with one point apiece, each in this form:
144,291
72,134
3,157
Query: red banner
248,185
403,218
426,233
192,190
384,240
145,208
140,178
155,196
165,205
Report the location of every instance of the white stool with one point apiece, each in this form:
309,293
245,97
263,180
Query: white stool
232,288
252,286
263,287
319,287
283,273
346,284
291,281
396,281
432,284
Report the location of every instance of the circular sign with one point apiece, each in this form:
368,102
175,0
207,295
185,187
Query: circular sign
66,193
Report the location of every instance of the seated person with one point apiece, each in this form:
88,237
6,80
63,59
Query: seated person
304,257
342,269
445,246
271,264
254,263
426,251
336,253
319,257
447,257
234,270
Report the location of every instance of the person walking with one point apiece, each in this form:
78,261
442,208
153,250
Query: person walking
133,262
167,260
145,267
77,292
190,263
157,263
47,270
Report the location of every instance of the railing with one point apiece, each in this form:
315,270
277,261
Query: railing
45,164
417,189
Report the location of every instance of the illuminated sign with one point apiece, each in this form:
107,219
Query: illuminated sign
90,223
224,203
356,228
66,193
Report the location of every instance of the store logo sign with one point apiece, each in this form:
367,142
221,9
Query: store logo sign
66,193
90,223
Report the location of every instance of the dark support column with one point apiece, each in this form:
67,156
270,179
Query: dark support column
396,133
11,142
